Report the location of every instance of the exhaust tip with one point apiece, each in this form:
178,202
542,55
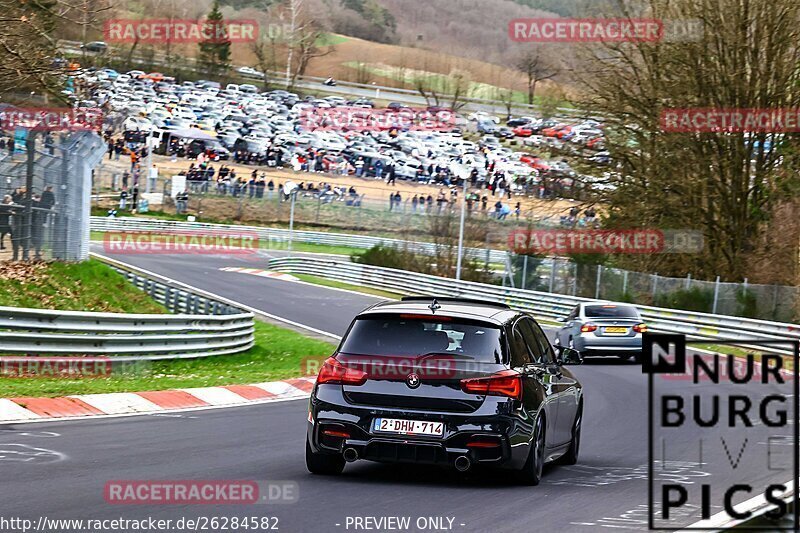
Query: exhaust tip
350,454
462,463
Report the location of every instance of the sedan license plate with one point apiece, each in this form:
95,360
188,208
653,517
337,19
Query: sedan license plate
408,427
616,330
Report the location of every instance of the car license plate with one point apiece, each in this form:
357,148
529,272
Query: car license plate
616,330
408,427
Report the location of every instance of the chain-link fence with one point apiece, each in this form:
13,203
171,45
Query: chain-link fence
45,195
364,208
768,302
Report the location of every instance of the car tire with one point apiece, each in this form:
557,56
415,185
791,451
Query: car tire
322,463
531,473
571,457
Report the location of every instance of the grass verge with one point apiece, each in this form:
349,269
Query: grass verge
325,282
86,286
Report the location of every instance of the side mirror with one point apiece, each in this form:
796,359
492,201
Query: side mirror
570,356
536,369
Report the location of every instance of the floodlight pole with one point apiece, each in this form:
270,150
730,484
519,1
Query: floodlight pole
291,222
461,230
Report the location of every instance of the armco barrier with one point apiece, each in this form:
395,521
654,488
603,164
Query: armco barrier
204,328
541,304
279,235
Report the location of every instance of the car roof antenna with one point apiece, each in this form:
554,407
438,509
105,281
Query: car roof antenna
434,306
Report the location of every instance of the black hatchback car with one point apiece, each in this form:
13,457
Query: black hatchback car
448,382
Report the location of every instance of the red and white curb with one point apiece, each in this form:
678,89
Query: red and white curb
131,403
261,273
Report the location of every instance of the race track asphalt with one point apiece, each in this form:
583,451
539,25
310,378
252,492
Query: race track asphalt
59,469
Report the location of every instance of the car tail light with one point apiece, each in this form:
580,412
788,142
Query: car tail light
334,372
505,383
640,328
588,328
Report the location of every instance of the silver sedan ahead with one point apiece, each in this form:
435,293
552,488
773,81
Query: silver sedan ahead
604,329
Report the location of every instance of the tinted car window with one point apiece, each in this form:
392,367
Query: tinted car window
539,350
537,354
396,336
520,354
611,311
544,343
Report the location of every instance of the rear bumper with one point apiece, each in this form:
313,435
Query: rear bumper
330,411
591,345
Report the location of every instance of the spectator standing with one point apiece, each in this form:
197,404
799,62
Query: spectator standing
135,197
123,198
392,174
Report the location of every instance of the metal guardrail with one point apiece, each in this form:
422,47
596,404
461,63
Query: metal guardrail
276,235
202,328
541,304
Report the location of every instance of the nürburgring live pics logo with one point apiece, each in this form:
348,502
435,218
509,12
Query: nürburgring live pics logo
729,415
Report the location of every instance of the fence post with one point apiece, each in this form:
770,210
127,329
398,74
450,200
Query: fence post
688,281
597,288
524,271
574,279
624,283
510,270
716,296
553,266
655,286
488,252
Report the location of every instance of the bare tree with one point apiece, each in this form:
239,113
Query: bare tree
729,185
536,68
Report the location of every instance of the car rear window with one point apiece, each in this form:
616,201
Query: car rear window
398,335
611,311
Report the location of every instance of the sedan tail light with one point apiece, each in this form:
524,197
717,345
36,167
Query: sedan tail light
587,328
334,372
505,383
640,328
